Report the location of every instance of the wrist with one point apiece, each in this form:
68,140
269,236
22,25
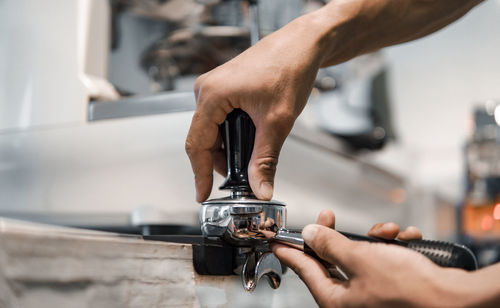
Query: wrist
324,36
464,289
332,29
301,43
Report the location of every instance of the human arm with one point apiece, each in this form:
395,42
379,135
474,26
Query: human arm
272,80
357,27
382,275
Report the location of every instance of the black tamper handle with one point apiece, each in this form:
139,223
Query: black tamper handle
445,254
238,135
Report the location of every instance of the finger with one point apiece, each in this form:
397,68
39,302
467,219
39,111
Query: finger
326,218
220,164
410,233
200,143
386,231
376,226
332,246
197,85
201,163
219,157
310,270
269,139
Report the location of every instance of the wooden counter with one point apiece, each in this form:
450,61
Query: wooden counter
49,266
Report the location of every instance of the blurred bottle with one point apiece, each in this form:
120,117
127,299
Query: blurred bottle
480,213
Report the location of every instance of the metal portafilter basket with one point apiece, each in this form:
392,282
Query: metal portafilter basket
251,224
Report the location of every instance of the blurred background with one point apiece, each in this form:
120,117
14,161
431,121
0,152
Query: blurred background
96,100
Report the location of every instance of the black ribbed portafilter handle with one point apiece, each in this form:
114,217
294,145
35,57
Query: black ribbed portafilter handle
238,136
444,254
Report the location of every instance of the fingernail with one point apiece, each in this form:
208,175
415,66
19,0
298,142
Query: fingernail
266,190
309,232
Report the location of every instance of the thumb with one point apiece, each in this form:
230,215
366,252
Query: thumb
332,247
262,166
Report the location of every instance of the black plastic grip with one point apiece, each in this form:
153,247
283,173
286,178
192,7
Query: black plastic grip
238,136
445,254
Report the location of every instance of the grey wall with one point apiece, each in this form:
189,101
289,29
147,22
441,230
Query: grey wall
435,82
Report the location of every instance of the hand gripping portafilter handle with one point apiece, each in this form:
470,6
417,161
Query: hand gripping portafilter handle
445,254
238,135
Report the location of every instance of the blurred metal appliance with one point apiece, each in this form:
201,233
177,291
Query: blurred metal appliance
158,48
354,102
186,37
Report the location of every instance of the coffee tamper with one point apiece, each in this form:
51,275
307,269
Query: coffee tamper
250,224
240,218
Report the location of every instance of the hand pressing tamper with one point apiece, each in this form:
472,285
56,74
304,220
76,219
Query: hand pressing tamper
249,224
241,219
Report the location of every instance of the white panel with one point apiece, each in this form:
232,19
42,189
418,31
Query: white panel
39,77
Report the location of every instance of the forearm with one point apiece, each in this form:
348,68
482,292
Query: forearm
348,28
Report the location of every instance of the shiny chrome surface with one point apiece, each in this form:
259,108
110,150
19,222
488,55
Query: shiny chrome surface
290,238
260,265
245,221
241,219
251,200
242,209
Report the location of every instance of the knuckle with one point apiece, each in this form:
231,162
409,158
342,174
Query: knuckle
268,164
211,96
205,88
199,82
282,118
188,147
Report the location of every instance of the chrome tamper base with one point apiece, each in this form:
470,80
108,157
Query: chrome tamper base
247,223
242,219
